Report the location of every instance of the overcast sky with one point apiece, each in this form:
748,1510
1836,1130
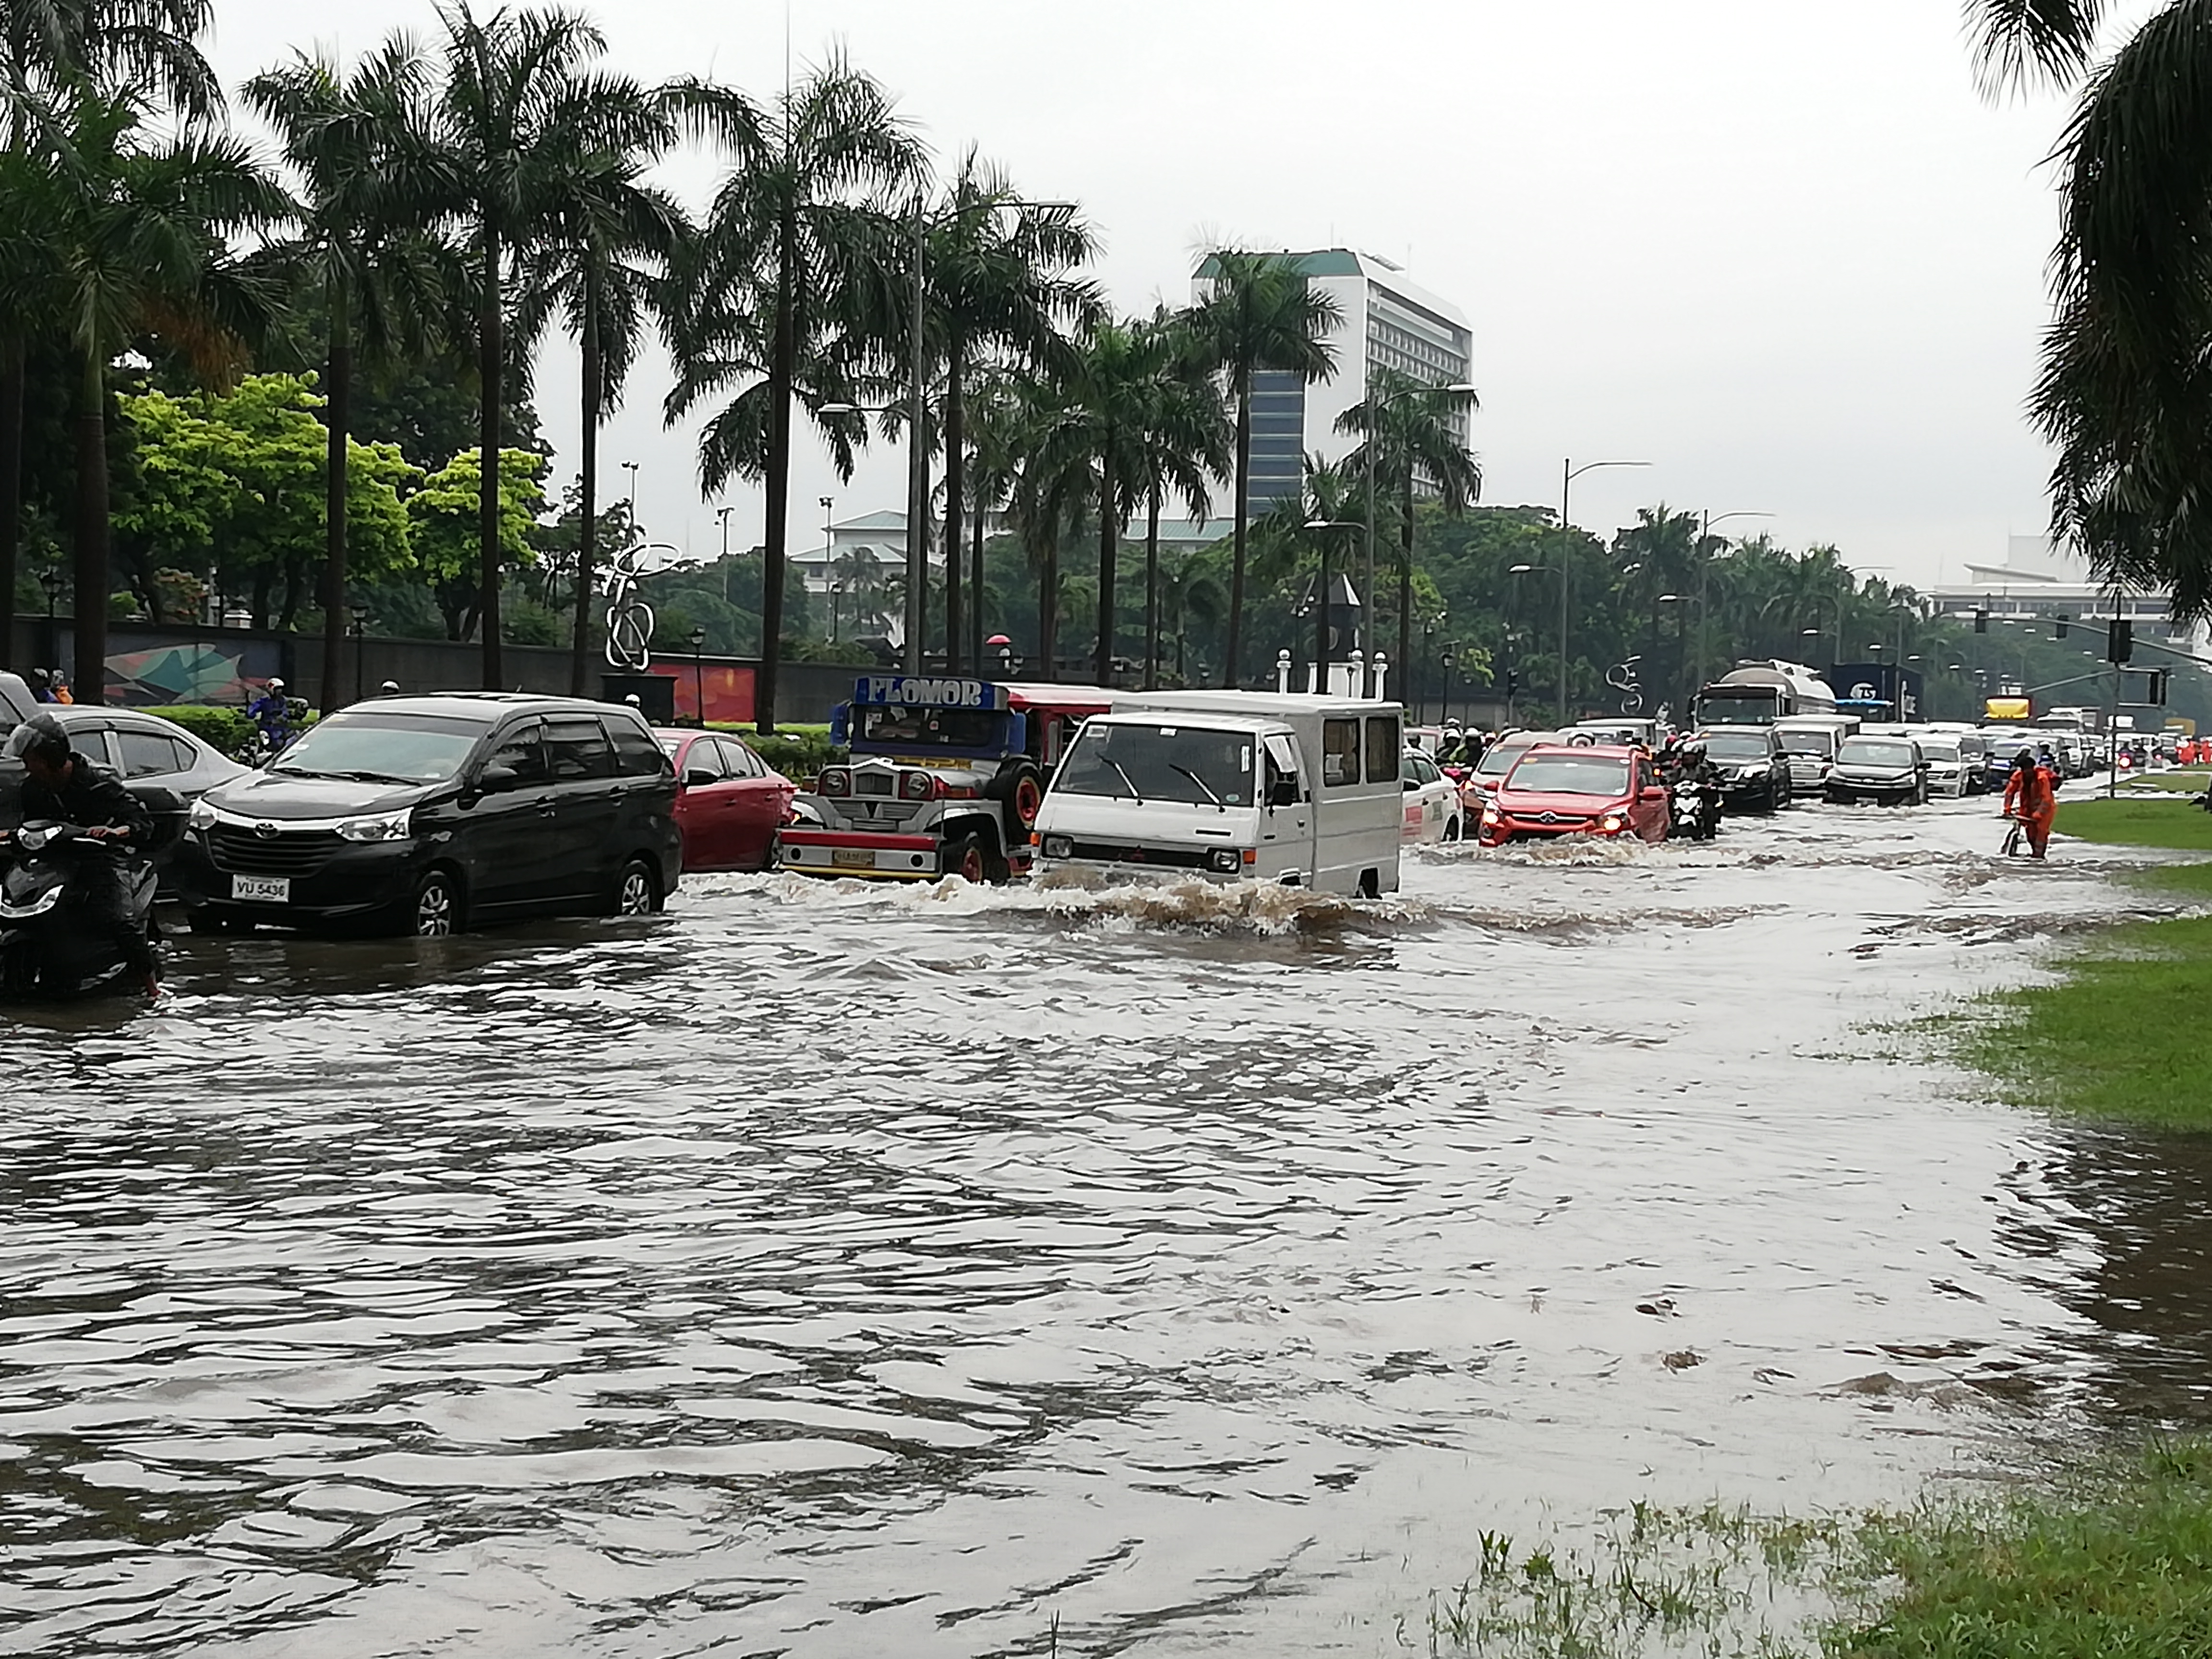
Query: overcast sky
1783,250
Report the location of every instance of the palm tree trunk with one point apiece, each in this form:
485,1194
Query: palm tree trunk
587,527
490,352
976,584
1406,585
11,487
1049,608
1237,565
1109,548
783,358
89,673
1153,591
338,397
953,477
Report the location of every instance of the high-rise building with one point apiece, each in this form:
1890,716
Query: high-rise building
1384,322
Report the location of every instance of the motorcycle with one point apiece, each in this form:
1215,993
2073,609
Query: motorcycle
1696,810
45,951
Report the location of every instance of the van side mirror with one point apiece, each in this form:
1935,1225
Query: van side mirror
1284,791
1412,784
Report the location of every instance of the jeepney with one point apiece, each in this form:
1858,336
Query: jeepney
946,776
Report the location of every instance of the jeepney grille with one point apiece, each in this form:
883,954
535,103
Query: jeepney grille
873,813
873,783
289,852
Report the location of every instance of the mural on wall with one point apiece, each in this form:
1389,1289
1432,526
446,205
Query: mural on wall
226,673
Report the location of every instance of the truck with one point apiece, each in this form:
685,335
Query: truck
1761,693
1293,788
945,777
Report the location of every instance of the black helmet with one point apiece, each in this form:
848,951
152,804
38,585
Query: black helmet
40,735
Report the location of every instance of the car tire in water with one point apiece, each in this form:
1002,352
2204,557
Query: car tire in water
1371,884
637,890
1451,830
436,911
966,857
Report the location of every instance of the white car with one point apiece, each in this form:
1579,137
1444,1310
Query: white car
1947,767
1432,801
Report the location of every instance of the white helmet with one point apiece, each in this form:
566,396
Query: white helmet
275,684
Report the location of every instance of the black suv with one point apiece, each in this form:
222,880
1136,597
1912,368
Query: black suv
1752,765
424,814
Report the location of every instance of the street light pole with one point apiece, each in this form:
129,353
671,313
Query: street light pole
1568,473
1698,680
1321,601
917,469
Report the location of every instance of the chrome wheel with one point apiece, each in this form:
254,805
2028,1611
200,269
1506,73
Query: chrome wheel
635,897
433,908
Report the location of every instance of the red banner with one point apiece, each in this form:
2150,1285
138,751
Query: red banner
728,691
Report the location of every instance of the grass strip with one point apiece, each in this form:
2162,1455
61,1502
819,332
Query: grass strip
2122,1033
2113,1560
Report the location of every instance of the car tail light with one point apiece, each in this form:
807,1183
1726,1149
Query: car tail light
836,780
917,786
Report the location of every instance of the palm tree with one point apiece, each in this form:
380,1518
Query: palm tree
356,144
1259,314
519,113
602,259
2125,392
996,288
763,300
109,237
1185,440
1188,591
51,51
1418,444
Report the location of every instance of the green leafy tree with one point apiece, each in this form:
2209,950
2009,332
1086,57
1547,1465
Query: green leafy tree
764,306
1259,314
445,523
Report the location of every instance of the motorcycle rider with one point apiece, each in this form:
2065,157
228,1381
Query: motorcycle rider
272,712
66,786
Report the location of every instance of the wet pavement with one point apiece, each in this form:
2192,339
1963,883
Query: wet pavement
828,1270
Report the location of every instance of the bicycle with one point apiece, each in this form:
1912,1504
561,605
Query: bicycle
2016,833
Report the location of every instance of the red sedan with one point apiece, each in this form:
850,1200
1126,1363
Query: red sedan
1589,789
729,802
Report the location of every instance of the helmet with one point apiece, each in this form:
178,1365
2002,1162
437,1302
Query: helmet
41,735
1694,749
389,689
275,684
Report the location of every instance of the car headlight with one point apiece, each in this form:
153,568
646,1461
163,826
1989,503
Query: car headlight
1612,824
1491,814
202,816
1058,846
381,826
1225,859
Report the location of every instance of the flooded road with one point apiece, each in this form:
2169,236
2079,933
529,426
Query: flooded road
833,1271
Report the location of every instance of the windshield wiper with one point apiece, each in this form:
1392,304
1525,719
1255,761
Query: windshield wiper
1202,784
350,777
1134,794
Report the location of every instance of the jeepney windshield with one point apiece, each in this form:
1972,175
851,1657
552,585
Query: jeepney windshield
1191,765
905,729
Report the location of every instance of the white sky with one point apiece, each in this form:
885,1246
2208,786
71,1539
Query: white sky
1780,248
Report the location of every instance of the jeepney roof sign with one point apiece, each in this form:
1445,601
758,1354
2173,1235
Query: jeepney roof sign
926,691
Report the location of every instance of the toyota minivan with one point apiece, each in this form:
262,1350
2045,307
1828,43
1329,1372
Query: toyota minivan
428,814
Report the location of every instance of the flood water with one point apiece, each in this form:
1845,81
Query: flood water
826,1270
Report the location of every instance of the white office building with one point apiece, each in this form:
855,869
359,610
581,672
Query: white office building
1384,322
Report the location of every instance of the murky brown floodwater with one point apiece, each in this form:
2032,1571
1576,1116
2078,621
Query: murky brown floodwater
839,1272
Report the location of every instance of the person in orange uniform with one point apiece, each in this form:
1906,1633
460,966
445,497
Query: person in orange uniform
2032,796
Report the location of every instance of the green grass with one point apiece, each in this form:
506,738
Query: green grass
2189,783
2111,1561
2135,820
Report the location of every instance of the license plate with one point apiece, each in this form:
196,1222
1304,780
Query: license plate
262,890
852,858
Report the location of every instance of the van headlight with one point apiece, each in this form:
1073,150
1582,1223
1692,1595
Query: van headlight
1226,860
202,816
1058,846
382,826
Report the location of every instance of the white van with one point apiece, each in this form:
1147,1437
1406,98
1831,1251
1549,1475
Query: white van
1810,741
1260,786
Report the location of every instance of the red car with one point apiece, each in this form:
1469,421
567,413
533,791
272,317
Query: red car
1586,789
729,802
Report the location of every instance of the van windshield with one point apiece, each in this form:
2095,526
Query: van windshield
909,729
1809,743
1865,751
1193,765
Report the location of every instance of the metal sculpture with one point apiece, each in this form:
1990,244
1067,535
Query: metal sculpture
629,618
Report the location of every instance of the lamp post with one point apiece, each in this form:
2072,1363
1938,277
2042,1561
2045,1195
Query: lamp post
1429,626
1375,407
1697,679
698,679
630,467
723,513
1568,473
1322,526
52,582
1444,702
360,613
1536,569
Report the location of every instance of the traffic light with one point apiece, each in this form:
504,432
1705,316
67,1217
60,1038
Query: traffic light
2119,639
1981,621
1513,684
